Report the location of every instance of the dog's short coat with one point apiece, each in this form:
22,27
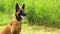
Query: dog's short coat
14,27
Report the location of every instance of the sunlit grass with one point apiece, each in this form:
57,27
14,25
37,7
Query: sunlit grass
26,29
39,12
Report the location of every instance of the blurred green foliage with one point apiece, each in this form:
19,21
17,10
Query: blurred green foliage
39,12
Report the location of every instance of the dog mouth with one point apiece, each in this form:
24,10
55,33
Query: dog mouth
22,17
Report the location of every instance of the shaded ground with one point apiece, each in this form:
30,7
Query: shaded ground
26,29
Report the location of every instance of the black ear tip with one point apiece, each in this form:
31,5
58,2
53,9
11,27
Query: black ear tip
23,4
16,4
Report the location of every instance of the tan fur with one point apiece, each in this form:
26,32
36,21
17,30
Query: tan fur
13,27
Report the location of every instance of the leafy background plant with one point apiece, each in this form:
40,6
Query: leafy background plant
39,12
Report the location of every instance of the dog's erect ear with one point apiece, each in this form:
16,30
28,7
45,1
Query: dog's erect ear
17,7
23,6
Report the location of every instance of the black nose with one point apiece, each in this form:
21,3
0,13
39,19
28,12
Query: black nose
25,14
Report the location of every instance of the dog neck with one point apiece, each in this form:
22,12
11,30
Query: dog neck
15,19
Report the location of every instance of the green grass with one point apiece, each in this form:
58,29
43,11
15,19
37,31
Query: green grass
39,12
26,29
43,16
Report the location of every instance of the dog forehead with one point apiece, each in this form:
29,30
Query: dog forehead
20,9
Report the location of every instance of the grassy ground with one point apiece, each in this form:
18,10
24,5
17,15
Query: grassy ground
26,29
39,12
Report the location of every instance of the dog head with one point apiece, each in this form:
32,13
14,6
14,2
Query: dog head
20,12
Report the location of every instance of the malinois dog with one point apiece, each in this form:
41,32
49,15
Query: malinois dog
14,27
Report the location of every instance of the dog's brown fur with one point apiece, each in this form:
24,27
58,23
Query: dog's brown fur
14,27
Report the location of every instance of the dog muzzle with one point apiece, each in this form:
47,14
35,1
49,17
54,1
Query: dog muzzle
22,17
